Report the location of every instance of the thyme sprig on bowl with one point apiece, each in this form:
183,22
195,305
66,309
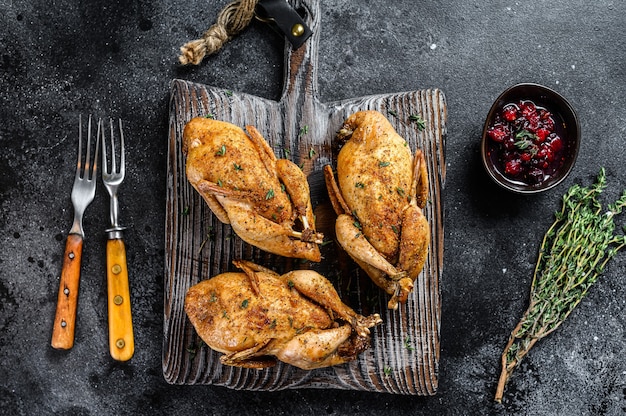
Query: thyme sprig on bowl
573,254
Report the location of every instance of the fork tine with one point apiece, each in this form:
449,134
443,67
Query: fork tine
79,164
93,168
105,167
88,154
122,162
113,165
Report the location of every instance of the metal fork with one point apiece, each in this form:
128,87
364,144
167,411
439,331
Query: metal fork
83,192
121,339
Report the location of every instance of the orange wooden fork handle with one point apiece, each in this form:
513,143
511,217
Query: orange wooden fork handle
67,300
121,339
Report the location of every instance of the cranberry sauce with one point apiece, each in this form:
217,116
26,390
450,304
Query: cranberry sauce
526,142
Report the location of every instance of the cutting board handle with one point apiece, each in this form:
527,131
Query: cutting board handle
300,76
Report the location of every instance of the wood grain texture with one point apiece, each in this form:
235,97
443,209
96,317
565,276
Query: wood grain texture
67,298
121,334
404,355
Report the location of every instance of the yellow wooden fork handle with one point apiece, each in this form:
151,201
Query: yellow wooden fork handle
121,339
67,300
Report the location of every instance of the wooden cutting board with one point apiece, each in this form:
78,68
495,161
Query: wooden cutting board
404,356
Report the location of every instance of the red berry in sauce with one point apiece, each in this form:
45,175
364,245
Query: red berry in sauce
498,133
509,113
541,134
513,167
528,108
557,144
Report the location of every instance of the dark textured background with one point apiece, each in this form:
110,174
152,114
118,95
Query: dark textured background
62,58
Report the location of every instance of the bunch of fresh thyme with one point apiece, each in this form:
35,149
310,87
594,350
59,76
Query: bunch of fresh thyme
573,254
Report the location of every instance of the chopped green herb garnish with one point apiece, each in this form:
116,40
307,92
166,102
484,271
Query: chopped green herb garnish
421,124
383,164
269,194
221,151
303,329
408,345
209,237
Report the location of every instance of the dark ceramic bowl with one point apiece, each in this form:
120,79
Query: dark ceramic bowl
567,126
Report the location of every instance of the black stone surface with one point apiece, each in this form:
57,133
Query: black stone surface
62,58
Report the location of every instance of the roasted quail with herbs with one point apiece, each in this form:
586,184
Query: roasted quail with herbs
266,200
259,316
378,195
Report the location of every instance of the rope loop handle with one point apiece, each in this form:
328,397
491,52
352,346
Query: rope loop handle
233,18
